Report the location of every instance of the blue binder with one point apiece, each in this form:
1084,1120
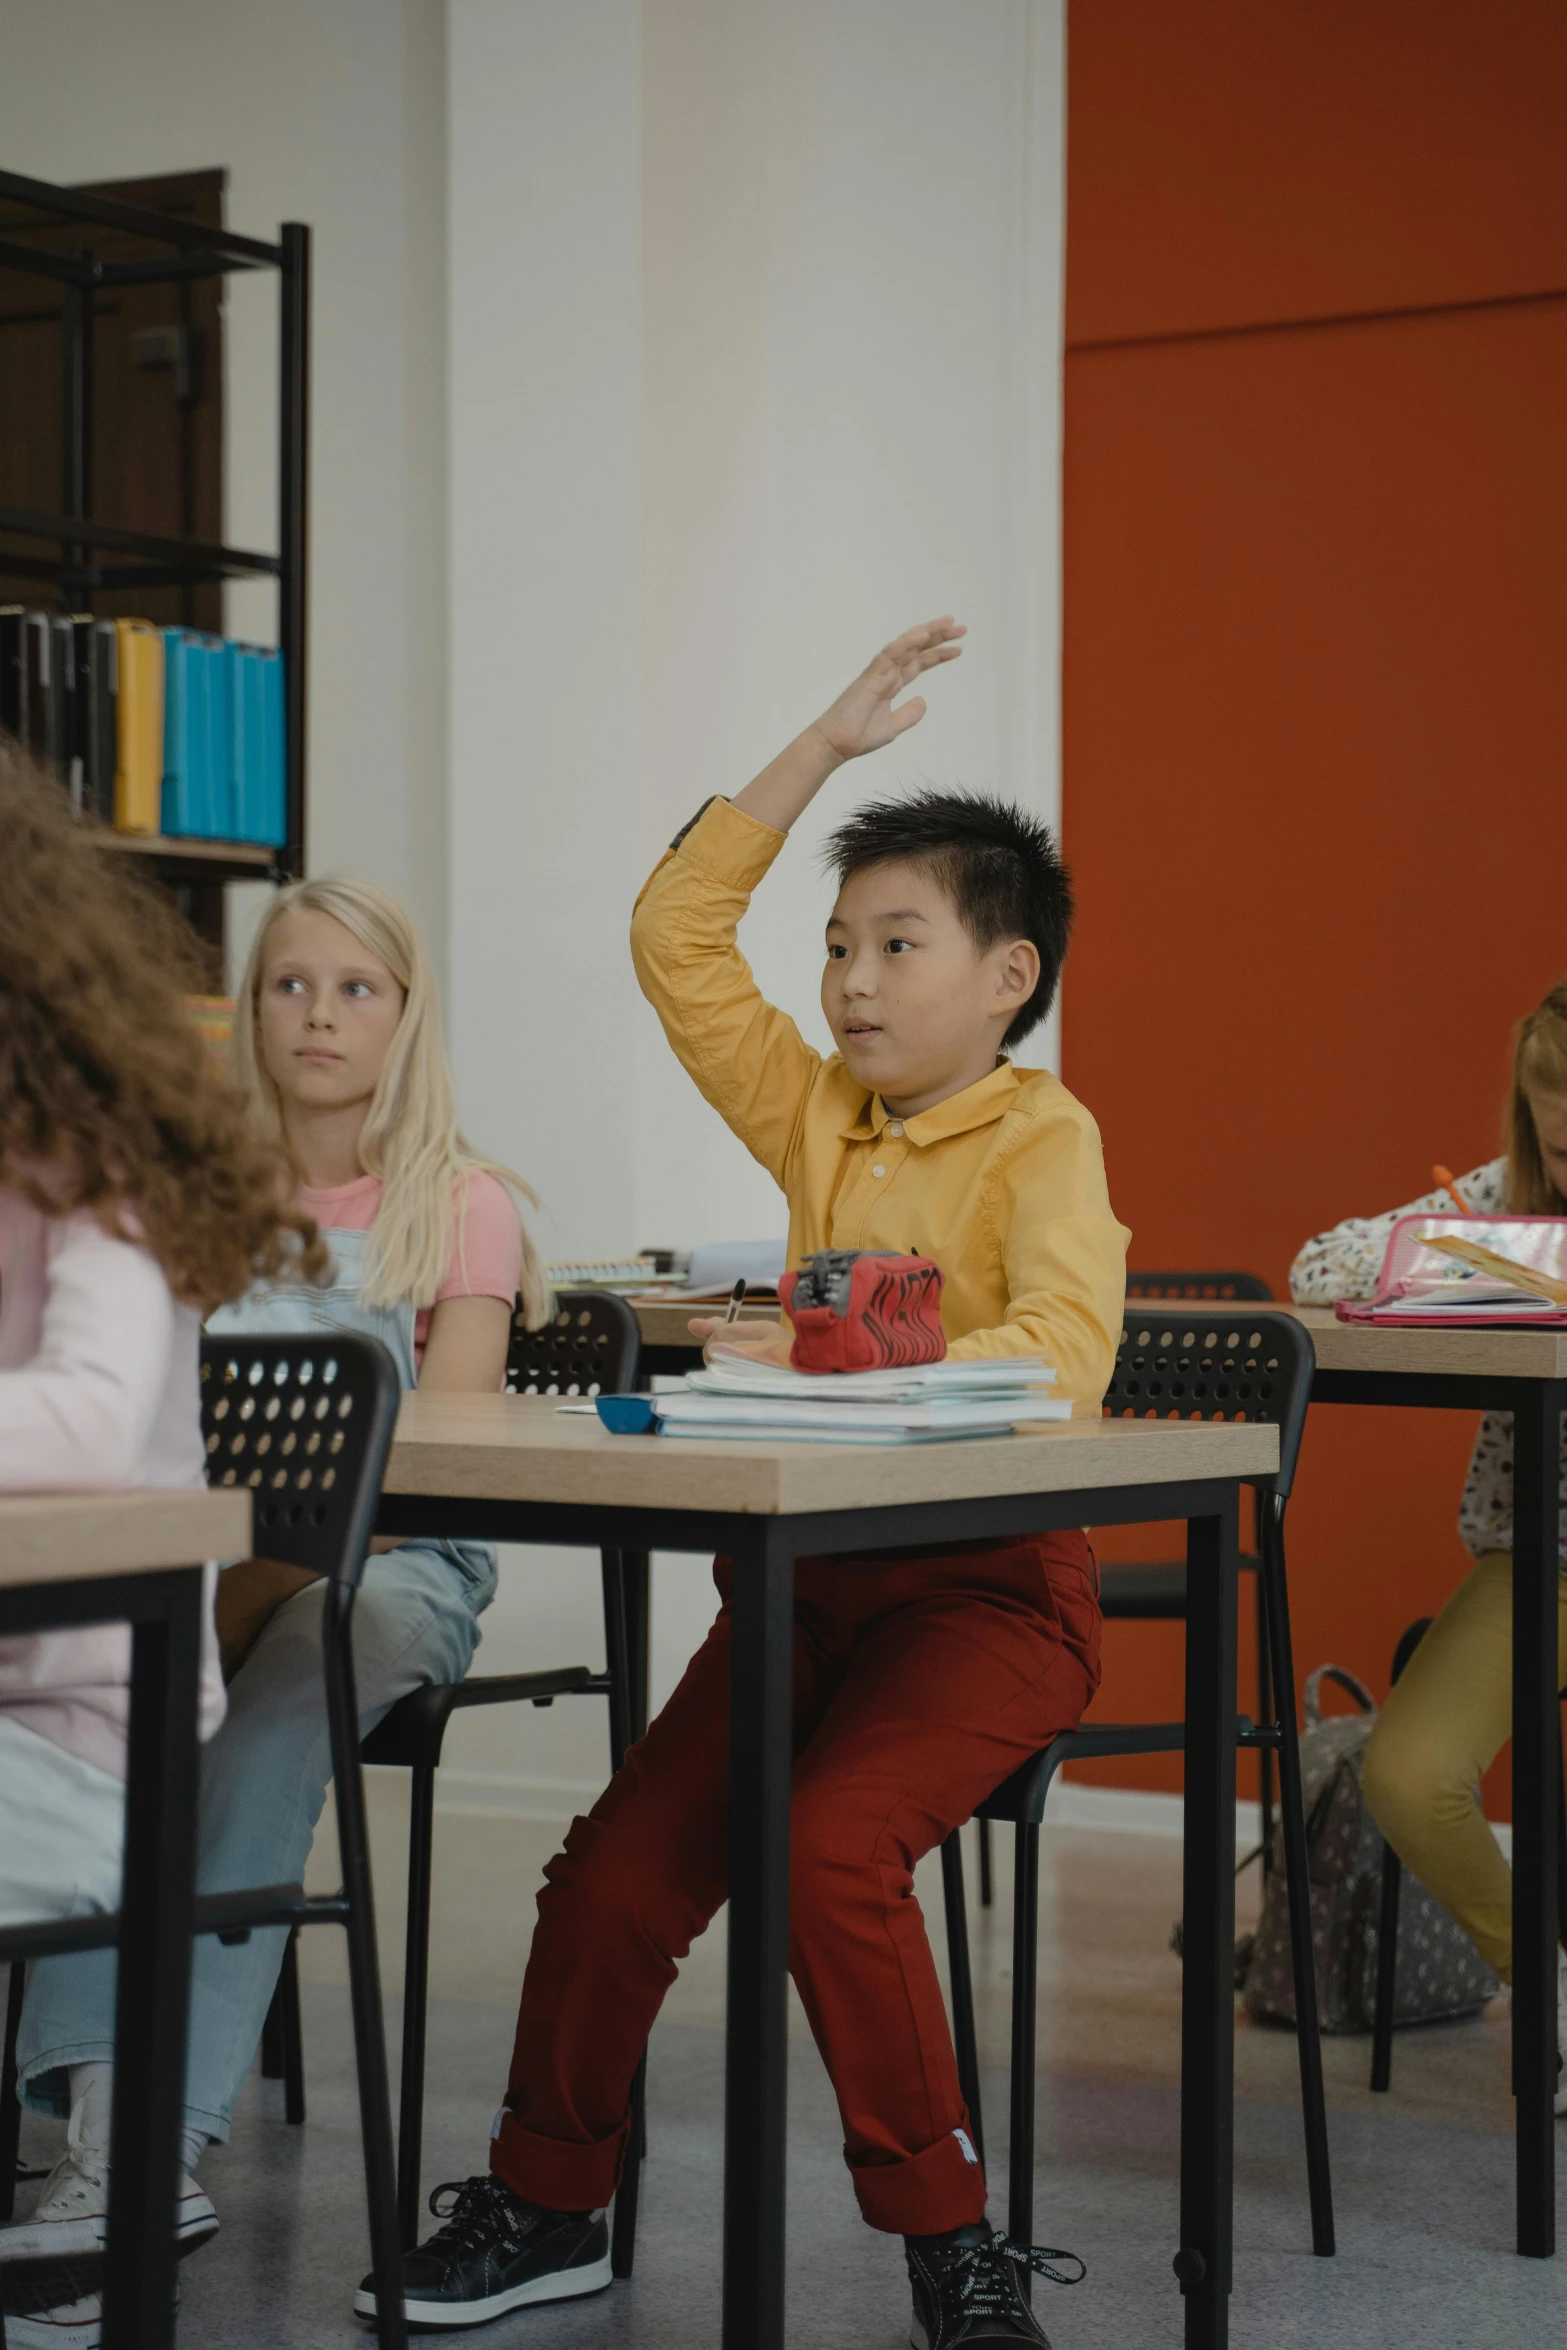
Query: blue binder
218,798
186,735
259,791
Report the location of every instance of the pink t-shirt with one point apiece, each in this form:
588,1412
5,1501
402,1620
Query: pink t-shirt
486,1249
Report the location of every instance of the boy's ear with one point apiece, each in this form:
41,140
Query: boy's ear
1018,975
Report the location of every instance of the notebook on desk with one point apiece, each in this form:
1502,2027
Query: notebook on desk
1469,1272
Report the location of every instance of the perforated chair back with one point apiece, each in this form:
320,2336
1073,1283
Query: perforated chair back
306,1425
590,1346
1206,1365
1219,1288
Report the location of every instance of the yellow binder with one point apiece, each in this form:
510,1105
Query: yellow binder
138,774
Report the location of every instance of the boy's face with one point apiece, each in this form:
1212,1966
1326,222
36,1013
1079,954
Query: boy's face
917,1010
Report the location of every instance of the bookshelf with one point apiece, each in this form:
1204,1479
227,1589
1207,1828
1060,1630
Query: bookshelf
75,557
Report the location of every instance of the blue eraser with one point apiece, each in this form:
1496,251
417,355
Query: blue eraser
626,1415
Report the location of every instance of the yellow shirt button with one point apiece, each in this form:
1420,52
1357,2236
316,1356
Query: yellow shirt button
878,1170
896,1128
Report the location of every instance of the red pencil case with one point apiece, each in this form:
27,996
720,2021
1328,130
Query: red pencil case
861,1310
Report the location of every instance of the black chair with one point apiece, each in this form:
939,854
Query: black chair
590,1346
307,1425
1156,1593
1392,1884
1207,1367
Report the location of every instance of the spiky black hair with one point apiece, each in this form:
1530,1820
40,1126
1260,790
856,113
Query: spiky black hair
1000,867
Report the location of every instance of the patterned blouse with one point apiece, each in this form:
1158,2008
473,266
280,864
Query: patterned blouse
1345,1263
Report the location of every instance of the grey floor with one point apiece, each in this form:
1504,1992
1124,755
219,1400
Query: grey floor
1423,2179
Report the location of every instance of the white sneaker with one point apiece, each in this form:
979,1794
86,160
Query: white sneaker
72,2217
74,2325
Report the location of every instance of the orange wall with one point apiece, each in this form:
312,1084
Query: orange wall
1315,669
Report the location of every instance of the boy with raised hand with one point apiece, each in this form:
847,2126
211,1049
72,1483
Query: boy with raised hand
922,1679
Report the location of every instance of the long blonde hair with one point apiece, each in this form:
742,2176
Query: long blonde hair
411,1138
1539,1066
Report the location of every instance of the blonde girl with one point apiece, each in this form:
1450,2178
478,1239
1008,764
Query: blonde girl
1451,1710
338,1050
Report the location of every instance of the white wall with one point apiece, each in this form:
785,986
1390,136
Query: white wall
733,329
755,358
333,115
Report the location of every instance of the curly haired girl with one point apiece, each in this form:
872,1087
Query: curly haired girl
135,1195
338,1053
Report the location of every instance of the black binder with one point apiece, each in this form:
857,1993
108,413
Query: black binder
66,724
11,669
103,716
38,711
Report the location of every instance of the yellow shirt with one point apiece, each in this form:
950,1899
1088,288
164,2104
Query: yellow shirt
1002,1184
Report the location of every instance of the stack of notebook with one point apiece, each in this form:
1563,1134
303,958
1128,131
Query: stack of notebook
733,1398
156,730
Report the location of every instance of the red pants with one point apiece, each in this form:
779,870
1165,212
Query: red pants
919,1685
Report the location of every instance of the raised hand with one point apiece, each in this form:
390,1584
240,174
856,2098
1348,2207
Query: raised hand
862,718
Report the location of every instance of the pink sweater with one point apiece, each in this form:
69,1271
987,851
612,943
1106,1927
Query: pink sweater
98,1388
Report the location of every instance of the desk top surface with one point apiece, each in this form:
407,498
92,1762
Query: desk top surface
66,1537
1357,1346
1341,1346
522,1449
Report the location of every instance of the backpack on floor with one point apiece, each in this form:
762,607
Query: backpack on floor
1440,1973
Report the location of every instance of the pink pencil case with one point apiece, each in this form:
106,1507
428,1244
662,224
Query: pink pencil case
1421,1288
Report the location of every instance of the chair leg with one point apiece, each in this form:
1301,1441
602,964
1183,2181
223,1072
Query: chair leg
1265,1713
986,1883
961,1978
623,2229
1025,1966
291,2038
272,2033
364,1977
10,2102
416,2001
1292,1814
1387,1970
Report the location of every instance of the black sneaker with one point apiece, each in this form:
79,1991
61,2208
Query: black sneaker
967,2289
496,2253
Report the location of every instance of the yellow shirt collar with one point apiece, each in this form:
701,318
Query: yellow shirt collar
960,1113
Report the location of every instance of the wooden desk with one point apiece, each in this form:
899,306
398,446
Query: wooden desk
71,1559
1523,1372
511,1468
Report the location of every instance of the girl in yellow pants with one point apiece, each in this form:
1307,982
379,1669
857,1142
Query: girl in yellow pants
1452,1707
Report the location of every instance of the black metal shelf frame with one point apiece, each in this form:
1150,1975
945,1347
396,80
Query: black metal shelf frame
160,561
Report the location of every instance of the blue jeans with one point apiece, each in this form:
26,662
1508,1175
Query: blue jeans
263,1786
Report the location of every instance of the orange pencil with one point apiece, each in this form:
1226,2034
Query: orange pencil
1444,1176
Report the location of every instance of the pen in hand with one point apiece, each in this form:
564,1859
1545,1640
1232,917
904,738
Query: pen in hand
735,1296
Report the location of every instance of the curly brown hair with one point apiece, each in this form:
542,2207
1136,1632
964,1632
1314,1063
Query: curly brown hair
108,1100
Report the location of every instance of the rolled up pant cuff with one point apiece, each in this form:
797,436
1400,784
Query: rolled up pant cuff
924,2195
549,2171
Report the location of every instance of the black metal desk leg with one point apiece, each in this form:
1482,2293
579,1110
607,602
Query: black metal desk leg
152,2000
755,2091
1208,1979
1536,1537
